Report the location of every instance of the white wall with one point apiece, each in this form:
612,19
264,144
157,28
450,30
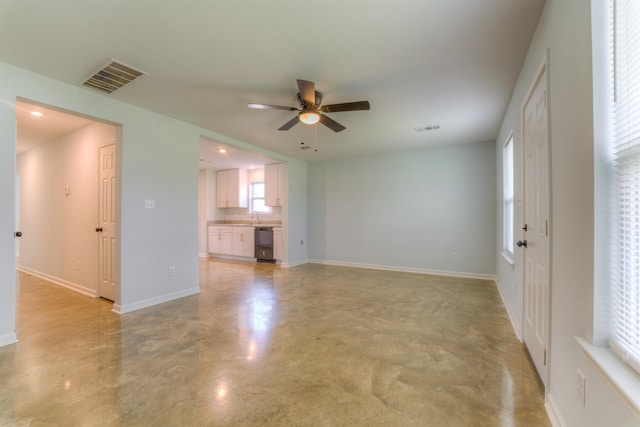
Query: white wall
59,241
407,210
158,158
565,30
7,216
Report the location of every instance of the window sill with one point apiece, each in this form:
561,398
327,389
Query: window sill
508,257
624,379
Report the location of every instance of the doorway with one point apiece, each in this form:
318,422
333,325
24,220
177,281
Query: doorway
57,166
536,227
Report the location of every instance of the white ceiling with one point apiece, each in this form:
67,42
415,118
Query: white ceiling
451,63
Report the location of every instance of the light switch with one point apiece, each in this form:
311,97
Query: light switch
149,204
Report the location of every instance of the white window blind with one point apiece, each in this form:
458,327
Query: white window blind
625,24
507,198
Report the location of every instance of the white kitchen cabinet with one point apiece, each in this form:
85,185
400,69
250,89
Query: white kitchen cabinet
220,240
277,243
243,241
232,188
274,184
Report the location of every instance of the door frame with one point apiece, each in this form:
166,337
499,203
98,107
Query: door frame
542,68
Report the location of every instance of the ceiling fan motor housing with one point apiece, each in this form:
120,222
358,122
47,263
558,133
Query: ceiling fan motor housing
306,105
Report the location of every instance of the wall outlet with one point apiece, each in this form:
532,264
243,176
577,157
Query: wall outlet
582,388
454,255
172,271
149,204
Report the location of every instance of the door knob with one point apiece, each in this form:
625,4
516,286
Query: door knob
18,233
521,243
98,229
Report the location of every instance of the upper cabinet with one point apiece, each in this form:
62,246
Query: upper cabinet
274,184
232,185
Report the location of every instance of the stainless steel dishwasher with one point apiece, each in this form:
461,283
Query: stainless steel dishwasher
264,244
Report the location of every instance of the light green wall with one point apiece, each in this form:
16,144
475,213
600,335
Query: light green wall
407,210
564,34
158,159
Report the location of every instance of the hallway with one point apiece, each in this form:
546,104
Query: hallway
313,345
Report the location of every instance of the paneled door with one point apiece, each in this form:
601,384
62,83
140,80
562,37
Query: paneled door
535,244
107,221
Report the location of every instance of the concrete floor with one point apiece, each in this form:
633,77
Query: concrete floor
308,346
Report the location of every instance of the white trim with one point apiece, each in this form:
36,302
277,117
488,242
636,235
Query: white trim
507,257
543,68
405,269
622,378
60,282
517,328
122,309
294,264
8,339
553,413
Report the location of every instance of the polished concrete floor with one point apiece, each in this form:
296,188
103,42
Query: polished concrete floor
308,346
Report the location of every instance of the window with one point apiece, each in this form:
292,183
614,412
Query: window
507,198
624,142
257,198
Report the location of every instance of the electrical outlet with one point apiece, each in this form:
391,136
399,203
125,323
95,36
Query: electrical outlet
172,271
582,388
149,204
454,255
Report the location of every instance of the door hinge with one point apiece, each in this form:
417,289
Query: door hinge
545,357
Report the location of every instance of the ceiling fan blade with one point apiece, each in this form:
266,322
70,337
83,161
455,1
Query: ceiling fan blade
331,124
291,123
271,107
307,91
347,106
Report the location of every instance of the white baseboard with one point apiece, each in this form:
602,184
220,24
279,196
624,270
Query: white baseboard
294,263
515,324
127,308
8,339
553,413
60,282
405,269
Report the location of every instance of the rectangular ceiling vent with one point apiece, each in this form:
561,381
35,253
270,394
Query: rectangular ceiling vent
113,76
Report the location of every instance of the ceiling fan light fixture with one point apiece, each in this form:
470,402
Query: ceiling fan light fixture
309,117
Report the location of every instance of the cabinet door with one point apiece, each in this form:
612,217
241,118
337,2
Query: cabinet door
220,240
222,184
273,184
232,188
212,238
248,242
237,190
243,241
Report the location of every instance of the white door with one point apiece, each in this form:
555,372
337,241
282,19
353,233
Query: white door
535,244
107,221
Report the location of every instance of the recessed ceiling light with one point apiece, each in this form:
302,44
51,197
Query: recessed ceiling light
222,150
36,113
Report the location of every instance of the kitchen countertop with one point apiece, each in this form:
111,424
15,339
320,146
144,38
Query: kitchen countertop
246,224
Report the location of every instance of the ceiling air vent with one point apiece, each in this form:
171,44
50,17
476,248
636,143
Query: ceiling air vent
113,76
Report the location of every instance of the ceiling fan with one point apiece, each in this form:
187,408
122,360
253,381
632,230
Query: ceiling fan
311,111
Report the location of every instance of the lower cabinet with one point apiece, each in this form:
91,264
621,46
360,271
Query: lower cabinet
231,240
220,240
243,238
